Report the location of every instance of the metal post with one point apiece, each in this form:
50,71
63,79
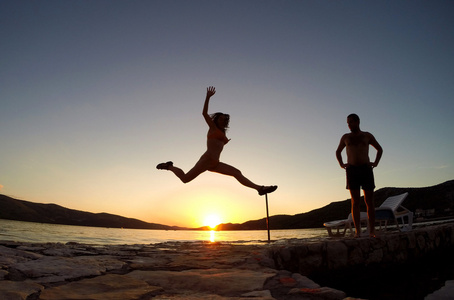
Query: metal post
267,218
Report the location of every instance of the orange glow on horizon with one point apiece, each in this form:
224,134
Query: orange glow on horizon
212,200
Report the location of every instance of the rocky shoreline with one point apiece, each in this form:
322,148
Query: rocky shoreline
198,270
176,270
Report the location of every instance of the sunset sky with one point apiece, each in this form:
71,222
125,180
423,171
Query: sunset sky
94,94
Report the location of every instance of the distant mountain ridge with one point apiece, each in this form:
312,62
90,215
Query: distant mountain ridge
20,210
438,198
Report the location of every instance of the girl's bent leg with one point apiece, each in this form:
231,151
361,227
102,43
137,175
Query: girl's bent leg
191,174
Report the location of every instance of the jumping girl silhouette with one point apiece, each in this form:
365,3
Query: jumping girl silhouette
209,161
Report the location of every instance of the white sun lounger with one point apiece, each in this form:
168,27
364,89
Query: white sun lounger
339,228
392,210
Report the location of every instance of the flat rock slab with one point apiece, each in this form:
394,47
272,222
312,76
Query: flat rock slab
112,287
19,290
266,295
225,282
54,269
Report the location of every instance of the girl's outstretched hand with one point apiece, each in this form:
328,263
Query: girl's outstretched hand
211,90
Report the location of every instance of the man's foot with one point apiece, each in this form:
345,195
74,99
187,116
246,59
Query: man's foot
267,189
164,166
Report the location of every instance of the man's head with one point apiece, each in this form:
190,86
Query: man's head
353,122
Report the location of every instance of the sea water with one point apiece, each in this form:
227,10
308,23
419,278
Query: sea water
54,233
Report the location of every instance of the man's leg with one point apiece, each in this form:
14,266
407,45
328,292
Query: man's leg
369,199
356,198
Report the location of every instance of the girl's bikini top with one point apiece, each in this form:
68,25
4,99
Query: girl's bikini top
218,135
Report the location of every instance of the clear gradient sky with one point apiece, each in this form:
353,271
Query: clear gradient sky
94,94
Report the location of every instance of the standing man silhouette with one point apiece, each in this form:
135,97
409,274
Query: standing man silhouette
359,170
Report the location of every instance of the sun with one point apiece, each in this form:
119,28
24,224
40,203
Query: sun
212,221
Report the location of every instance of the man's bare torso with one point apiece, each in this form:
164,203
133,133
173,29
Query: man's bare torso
357,147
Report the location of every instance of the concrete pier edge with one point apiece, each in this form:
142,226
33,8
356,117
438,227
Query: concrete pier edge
343,254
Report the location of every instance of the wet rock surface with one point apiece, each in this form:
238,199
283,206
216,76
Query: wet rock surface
196,270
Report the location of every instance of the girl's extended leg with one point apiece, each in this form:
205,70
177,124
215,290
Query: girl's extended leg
226,169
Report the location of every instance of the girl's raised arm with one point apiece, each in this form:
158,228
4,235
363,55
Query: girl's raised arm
210,92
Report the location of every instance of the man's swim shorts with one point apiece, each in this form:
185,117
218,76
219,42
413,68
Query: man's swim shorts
360,176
